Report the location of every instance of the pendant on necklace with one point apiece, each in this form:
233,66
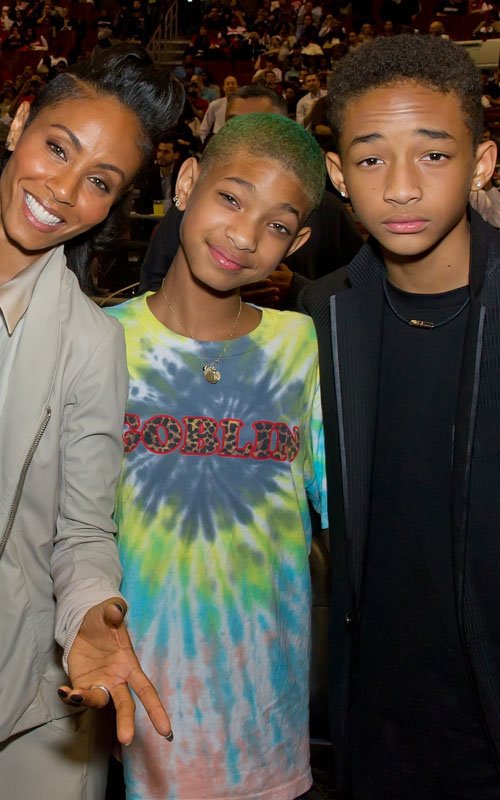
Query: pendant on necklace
211,373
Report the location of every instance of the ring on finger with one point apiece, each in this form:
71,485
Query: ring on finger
103,688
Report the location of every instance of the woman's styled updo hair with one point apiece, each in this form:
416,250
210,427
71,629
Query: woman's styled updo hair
127,74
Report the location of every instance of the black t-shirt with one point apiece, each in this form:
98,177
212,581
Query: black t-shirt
415,730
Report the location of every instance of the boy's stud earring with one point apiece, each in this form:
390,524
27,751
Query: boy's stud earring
176,200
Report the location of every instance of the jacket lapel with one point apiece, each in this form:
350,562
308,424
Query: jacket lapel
31,377
357,320
484,247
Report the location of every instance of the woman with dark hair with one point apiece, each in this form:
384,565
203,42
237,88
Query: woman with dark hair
63,385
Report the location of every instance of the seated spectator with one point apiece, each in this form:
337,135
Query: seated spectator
104,42
436,28
235,11
307,103
319,125
278,48
214,21
192,121
64,21
316,12
46,22
189,144
207,93
200,43
137,23
27,92
307,29
287,41
35,42
210,84
366,33
485,97
6,22
352,40
66,36
291,98
493,86
388,28
295,68
324,69
301,81
261,25
155,182
19,81
187,69
19,19
270,81
6,98
267,61
216,112
121,22
14,40
235,35
194,98
252,46
331,32
235,28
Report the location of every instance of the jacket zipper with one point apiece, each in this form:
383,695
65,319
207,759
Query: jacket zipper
20,484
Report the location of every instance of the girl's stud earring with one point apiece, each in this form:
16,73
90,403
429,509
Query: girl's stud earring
478,184
176,200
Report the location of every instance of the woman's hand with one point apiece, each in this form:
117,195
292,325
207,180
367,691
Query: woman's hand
101,661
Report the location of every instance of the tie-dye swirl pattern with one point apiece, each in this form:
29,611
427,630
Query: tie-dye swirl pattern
214,533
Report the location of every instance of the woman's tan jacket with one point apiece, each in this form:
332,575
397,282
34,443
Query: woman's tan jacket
60,453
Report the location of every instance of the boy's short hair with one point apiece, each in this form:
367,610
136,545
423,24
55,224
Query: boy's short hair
433,62
271,136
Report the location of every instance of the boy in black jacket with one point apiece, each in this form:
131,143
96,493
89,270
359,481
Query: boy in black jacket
409,339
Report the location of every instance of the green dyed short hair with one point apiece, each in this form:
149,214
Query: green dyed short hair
275,137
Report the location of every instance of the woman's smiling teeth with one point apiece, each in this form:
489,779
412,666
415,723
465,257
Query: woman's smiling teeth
39,212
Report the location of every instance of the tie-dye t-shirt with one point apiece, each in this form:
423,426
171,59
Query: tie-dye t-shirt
214,534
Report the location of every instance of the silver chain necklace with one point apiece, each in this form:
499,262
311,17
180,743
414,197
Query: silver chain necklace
211,371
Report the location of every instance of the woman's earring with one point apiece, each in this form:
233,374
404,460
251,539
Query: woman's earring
8,145
343,194
478,184
177,202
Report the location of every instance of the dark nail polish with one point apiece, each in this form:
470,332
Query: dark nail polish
170,737
76,699
62,693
